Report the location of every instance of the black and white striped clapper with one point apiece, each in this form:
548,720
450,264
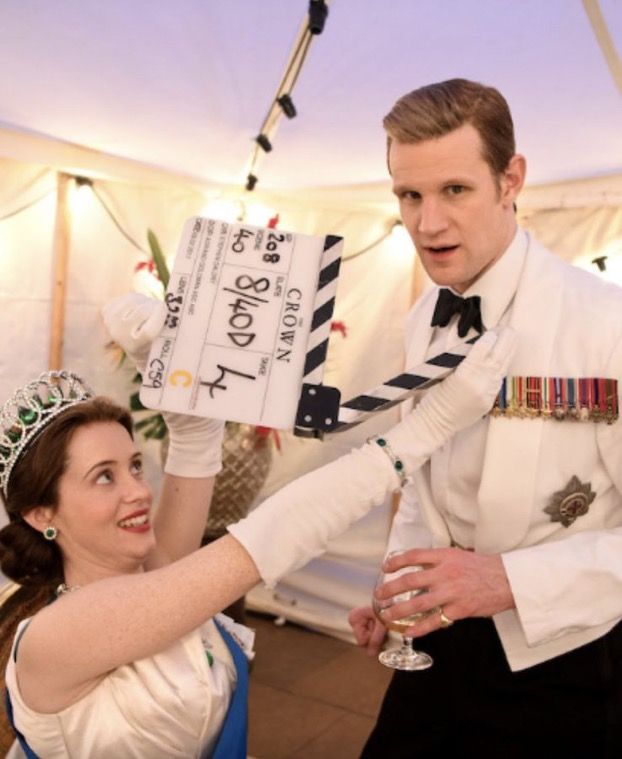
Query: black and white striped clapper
317,345
323,309
320,412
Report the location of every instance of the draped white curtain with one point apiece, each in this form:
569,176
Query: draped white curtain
375,292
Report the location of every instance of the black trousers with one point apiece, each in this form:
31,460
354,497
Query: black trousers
470,704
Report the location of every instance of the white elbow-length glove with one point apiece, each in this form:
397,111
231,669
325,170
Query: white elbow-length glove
134,321
457,402
295,524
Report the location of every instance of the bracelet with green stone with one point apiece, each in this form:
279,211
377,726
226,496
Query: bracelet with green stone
396,462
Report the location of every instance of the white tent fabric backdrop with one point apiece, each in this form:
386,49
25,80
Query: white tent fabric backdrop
160,106
186,85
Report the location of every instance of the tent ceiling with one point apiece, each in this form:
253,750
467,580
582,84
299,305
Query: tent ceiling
186,85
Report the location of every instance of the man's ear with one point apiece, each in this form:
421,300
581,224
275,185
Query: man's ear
39,517
513,179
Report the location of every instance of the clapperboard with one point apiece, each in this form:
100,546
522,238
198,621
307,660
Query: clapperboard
246,334
248,316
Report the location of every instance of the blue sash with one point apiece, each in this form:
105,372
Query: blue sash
232,740
22,741
9,706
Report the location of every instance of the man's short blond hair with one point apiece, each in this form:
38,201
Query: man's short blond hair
437,109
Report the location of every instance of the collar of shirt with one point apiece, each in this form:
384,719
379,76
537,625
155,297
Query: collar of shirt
497,286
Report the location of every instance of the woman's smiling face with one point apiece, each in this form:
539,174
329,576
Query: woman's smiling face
104,504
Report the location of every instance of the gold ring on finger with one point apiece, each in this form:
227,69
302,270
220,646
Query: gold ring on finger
445,620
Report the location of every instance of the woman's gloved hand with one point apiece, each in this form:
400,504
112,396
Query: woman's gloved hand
295,524
133,321
195,445
457,402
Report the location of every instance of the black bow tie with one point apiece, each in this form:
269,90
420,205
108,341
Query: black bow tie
449,304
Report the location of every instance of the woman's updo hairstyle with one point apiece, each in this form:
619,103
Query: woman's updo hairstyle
26,557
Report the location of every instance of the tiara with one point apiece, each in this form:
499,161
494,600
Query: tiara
30,409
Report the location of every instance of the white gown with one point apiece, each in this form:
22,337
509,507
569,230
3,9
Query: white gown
170,705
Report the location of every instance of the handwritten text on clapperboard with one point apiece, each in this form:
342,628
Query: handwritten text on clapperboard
239,307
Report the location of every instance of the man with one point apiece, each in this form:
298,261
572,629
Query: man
523,508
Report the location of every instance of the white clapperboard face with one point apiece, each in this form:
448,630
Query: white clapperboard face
240,302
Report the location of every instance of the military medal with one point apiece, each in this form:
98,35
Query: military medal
572,502
585,399
533,396
564,398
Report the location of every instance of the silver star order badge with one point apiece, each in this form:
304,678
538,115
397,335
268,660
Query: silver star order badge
571,502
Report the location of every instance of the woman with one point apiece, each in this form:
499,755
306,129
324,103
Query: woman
92,530
127,661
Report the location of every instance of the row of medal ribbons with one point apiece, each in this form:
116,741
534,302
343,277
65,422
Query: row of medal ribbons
586,399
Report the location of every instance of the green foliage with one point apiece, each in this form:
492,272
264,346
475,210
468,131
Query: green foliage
158,258
136,403
153,427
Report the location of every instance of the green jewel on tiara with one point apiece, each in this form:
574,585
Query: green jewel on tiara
30,409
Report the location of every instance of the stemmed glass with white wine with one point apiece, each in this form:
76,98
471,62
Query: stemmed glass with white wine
405,657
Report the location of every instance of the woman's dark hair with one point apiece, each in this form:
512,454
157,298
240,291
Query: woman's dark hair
25,556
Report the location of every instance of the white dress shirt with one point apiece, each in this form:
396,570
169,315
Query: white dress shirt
454,472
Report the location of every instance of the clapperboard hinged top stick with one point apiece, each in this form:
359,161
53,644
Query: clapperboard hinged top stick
320,411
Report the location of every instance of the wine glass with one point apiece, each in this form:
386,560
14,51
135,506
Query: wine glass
405,657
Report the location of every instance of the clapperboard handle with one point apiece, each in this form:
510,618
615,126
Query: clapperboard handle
319,411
